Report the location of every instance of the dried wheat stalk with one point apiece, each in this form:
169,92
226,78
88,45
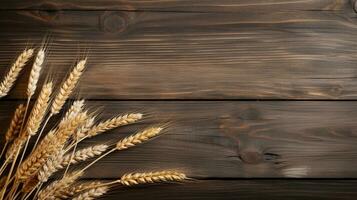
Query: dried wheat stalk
57,187
151,177
39,110
67,87
77,107
78,188
85,154
14,72
114,123
92,193
35,73
138,138
59,162
15,124
52,143
18,143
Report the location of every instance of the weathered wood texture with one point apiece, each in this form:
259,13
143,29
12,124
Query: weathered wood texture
179,5
236,139
250,54
244,189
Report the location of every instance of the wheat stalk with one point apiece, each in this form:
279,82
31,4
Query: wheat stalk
35,73
39,110
15,146
14,72
78,188
51,166
76,107
82,132
57,187
15,124
138,138
151,177
84,154
114,123
92,193
67,87
60,161
52,143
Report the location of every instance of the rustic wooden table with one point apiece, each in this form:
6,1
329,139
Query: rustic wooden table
260,94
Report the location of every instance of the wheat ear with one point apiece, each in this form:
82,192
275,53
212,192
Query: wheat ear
85,154
79,188
14,72
57,187
15,124
35,73
60,161
130,141
151,177
14,128
53,142
92,193
67,87
138,138
39,110
114,123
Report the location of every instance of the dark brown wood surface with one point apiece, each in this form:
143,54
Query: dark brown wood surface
178,55
259,95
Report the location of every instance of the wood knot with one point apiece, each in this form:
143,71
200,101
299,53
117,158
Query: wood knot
336,90
354,5
47,11
113,22
251,156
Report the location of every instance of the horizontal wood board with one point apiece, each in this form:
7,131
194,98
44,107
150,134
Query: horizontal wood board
234,139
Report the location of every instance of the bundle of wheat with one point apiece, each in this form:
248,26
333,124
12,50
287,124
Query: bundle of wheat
30,176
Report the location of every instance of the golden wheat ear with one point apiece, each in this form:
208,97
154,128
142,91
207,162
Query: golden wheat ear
113,123
35,73
152,177
92,193
68,87
56,188
14,72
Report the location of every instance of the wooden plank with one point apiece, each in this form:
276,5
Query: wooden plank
243,189
237,139
179,5
168,55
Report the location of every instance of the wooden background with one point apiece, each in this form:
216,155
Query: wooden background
260,93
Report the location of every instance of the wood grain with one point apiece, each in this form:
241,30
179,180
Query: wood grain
170,55
214,139
179,5
243,189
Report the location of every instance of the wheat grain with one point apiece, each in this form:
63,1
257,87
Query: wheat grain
14,72
35,73
39,110
15,124
67,87
151,177
52,143
92,193
114,123
57,187
138,138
